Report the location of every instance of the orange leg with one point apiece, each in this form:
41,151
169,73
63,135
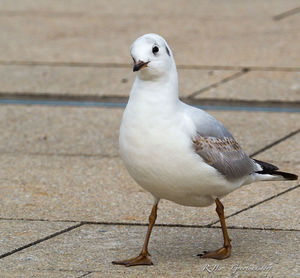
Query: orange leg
225,251
143,257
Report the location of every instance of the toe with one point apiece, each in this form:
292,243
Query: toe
202,254
219,254
139,260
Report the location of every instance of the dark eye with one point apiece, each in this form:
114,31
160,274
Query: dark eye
155,49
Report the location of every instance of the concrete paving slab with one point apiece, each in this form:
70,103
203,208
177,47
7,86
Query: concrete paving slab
43,274
278,213
95,131
97,7
259,86
78,81
60,130
191,80
14,234
95,189
213,33
288,150
92,81
173,250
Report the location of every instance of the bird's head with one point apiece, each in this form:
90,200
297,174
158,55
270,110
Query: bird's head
151,56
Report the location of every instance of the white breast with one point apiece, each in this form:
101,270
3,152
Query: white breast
157,151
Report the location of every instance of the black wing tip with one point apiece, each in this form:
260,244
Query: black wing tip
268,168
287,176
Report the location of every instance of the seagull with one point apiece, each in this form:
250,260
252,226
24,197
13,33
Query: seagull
176,151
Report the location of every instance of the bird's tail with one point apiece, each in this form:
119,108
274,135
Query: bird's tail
269,172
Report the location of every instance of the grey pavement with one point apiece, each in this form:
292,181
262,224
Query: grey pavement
68,206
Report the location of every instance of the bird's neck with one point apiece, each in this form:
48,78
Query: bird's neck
162,91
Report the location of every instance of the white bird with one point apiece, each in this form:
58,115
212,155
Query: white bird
178,152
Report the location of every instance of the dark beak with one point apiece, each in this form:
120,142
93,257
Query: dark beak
139,65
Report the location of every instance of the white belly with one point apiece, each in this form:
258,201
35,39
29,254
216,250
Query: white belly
160,158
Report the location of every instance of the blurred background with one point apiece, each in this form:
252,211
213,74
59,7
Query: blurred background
82,47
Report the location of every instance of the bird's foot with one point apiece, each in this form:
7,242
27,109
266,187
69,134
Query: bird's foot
142,259
219,254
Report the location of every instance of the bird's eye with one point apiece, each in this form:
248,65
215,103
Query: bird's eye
155,49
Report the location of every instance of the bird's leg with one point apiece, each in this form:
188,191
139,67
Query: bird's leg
225,251
143,257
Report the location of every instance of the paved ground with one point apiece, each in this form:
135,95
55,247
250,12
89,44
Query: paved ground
68,207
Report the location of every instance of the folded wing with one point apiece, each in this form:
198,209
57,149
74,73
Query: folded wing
225,155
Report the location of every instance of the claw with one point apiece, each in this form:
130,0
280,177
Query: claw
202,254
219,254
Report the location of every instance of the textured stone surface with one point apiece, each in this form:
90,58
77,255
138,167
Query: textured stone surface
60,130
278,213
43,273
259,86
100,189
95,131
288,150
192,80
14,234
92,81
173,250
210,33
70,178
61,81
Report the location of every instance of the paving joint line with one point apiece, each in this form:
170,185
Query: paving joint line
63,270
258,203
217,84
229,102
105,223
86,274
40,240
280,140
286,14
128,65
207,226
54,99
259,229
39,220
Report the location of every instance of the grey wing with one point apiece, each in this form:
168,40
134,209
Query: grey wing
205,124
225,155
215,144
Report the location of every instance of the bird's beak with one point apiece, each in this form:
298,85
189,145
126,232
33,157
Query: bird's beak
140,65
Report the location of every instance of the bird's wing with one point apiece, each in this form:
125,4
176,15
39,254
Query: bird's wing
217,147
225,155
205,124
